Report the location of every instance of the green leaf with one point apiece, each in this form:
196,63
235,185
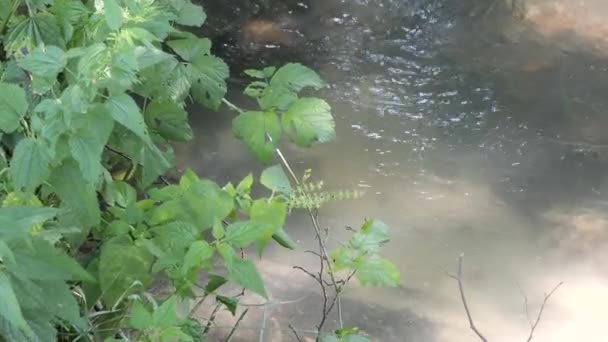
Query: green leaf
189,48
191,15
371,236
140,317
147,56
214,283
30,164
243,233
255,89
175,334
13,106
309,120
295,77
33,31
245,184
165,315
113,14
377,271
254,128
87,143
208,76
9,306
283,239
155,163
275,179
271,216
199,252
121,266
229,302
126,112
218,231
175,235
45,61
81,208
244,273
169,120
15,221
279,98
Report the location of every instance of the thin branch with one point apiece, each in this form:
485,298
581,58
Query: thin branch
212,318
458,278
295,333
523,294
236,325
542,308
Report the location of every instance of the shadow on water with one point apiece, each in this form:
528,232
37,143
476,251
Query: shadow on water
476,127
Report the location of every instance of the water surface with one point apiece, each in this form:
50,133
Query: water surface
472,130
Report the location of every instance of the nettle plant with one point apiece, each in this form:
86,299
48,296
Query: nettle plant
92,95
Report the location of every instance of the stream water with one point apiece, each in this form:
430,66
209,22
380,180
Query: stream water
474,127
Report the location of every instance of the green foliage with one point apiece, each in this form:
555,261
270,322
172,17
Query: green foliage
92,97
360,255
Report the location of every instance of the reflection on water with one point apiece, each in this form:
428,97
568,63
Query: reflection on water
483,134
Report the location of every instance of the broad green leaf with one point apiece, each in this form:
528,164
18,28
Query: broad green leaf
244,273
9,306
121,267
43,261
87,143
175,235
81,208
13,106
175,334
147,56
218,231
275,179
254,128
229,302
165,315
214,283
243,233
283,239
377,271
126,112
169,120
245,184
70,11
276,98
140,317
113,14
208,76
199,252
30,164
309,120
271,216
191,15
189,48
15,221
167,80
6,255
45,61
32,31
371,236
295,77
155,162
255,89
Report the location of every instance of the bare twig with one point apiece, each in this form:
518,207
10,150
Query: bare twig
295,333
523,294
212,318
458,278
236,325
540,312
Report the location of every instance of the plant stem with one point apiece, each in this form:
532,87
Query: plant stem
236,325
313,219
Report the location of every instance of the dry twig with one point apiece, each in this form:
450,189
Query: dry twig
458,278
540,311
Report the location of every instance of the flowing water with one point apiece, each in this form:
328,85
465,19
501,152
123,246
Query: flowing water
475,127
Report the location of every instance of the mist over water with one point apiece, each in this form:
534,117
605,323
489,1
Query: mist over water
472,130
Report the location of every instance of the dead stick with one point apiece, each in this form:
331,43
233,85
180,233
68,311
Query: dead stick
458,278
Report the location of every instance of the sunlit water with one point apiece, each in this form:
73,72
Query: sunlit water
477,134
